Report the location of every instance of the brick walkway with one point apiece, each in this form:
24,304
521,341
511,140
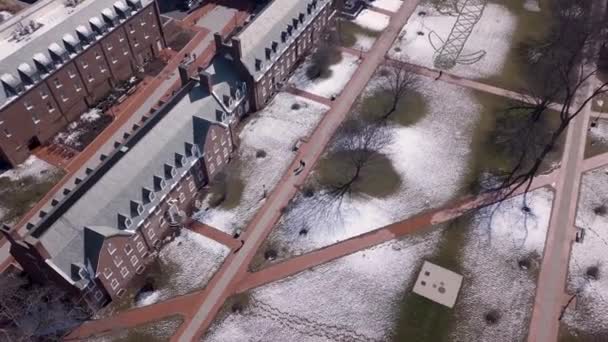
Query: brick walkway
307,95
214,234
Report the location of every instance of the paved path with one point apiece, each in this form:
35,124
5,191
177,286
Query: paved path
264,220
595,162
550,288
214,234
415,224
310,96
380,10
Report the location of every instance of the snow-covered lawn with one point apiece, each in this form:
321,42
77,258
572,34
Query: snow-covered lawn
357,296
187,264
372,24
275,130
589,314
23,185
389,5
31,167
326,87
80,133
497,276
431,158
153,331
423,35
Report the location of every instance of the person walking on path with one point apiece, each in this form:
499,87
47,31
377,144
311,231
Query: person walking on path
439,76
239,248
300,168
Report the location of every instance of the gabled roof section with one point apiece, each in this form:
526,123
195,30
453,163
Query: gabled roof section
94,237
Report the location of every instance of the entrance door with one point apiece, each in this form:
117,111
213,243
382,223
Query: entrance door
33,143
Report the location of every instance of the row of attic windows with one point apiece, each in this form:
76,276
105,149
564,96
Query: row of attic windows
284,34
160,183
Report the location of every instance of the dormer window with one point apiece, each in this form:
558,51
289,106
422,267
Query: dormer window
301,18
195,151
136,209
159,183
170,171
180,160
124,222
268,52
147,195
275,45
258,65
283,37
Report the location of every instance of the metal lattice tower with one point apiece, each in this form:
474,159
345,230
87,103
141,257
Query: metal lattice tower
449,54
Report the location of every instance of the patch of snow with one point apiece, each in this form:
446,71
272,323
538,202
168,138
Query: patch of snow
494,245
192,259
372,20
31,167
5,15
389,5
275,130
532,5
491,34
340,75
600,131
357,296
431,158
592,299
148,298
91,115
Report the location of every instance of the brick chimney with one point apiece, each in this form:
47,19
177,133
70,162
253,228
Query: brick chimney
205,79
183,74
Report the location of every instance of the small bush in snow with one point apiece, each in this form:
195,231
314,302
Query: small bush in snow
593,272
296,106
600,210
492,317
260,154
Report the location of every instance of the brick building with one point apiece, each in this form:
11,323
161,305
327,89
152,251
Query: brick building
54,76
102,231
271,45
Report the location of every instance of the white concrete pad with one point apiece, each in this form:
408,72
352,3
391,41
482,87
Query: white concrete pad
438,284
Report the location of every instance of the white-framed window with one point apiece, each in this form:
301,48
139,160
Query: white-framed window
157,211
162,221
140,269
182,197
125,51
211,167
27,105
218,160
146,224
35,118
226,152
97,56
111,248
213,135
98,295
151,233
7,133
140,246
121,292
64,98
77,87
57,83
107,272
134,260
114,283
71,73
84,64
117,261
108,46
43,94
102,69
50,107
128,249
124,271
191,186
90,78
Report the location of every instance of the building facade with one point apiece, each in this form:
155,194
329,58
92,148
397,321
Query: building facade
101,232
47,87
269,47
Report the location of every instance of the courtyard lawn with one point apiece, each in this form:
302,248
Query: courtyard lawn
586,321
597,138
265,151
23,186
157,331
361,33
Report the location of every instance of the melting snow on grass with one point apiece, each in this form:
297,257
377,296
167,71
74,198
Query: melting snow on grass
372,21
431,158
276,129
354,298
389,5
600,131
423,35
592,301
501,257
341,73
31,167
190,261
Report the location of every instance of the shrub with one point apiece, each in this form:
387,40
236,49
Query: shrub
600,210
260,154
296,106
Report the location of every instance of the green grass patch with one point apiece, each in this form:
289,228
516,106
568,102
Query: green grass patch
410,108
421,318
18,196
226,189
378,178
348,31
517,73
492,149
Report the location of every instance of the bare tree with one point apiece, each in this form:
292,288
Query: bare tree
34,312
397,81
566,73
